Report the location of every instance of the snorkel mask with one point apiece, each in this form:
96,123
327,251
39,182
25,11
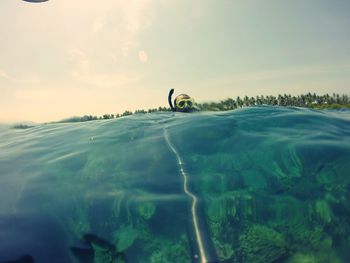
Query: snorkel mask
184,103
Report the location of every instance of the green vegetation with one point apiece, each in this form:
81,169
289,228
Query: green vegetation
309,100
22,126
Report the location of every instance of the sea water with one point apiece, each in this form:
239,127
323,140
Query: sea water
255,185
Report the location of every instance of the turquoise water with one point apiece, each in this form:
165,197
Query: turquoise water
255,185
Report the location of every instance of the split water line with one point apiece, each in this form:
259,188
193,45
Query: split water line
194,201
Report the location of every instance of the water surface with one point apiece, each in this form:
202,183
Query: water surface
271,184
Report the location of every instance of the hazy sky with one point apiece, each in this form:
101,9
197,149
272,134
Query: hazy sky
74,57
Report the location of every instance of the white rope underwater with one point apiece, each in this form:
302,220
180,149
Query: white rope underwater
203,257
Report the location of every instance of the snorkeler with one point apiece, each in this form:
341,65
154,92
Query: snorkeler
183,102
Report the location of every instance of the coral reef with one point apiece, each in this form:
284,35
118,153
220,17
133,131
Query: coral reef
261,244
168,251
303,238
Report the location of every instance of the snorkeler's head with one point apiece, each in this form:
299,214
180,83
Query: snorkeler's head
184,103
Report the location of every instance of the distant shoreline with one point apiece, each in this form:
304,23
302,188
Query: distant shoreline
313,101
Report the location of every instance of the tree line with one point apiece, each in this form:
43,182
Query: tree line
334,101
308,100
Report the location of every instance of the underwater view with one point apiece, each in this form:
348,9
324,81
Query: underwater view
253,185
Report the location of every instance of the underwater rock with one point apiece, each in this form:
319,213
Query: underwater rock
261,244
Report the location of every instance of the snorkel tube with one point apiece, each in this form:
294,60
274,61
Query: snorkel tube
169,99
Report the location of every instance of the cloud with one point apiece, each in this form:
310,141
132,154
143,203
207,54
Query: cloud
143,57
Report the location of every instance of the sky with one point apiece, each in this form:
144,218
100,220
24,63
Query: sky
66,58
